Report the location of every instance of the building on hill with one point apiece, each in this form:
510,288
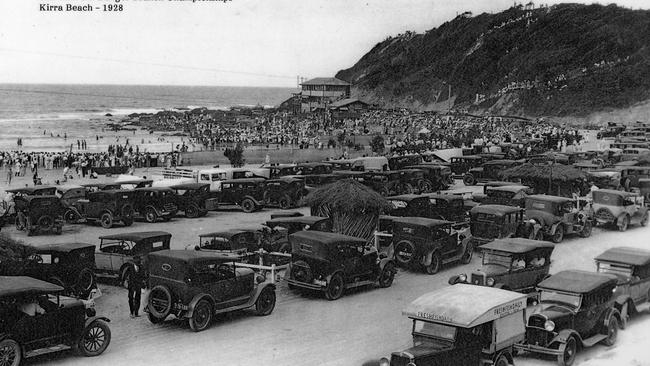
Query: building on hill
319,93
347,108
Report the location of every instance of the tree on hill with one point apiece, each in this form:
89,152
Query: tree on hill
235,155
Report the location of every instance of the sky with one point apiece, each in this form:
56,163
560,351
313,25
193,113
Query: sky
233,43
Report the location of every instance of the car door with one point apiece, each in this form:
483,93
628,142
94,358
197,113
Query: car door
640,284
103,257
220,284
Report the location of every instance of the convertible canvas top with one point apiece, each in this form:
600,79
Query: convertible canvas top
498,210
517,245
625,255
31,190
579,282
421,221
136,236
405,197
326,238
189,186
514,188
307,220
22,285
547,198
228,234
63,247
457,305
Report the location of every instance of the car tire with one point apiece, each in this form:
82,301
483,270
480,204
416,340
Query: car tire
586,230
644,220
57,281
70,216
11,352
612,331
153,319
191,211
265,302
106,220
335,287
624,223
567,352
502,360
434,266
469,180
150,215
95,339
45,223
387,275
285,203
558,235
426,187
404,252
159,302
85,282
202,316
248,205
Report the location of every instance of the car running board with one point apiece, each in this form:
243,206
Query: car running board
453,259
106,275
359,283
593,340
46,350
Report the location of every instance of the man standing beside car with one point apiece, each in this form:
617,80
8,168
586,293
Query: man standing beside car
135,285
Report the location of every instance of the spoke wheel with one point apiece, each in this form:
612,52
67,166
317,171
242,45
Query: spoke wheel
434,266
586,230
334,288
625,222
558,235
387,275
106,220
265,302
201,317
45,223
568,354
404,252
192,211
248,205
96,339
467,256
10,353
612,331
150,215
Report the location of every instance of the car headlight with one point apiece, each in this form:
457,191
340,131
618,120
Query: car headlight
490,281
462,277
549,325
384,362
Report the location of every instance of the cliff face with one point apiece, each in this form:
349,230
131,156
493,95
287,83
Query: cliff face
564,60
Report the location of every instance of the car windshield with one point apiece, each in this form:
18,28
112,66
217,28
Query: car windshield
616,269
215,243
497,259
572,300
435,330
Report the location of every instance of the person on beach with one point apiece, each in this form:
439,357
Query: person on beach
10,174
65,174
135,286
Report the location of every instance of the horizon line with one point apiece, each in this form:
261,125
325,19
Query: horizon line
120,84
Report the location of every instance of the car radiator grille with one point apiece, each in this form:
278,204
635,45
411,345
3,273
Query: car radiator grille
169,207
477,279
399,361
537,336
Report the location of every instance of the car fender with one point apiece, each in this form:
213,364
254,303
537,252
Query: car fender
426,259
564,335
195,300
612,312
554,228
98,317
154,208
260,288
384,261
329,277
258,203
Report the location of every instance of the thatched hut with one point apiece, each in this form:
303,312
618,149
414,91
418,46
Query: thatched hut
12,255
353,207
553,179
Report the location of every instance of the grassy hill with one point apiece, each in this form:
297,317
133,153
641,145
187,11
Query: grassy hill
565,60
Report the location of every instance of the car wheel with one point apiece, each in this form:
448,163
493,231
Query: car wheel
567,352
70,216
192,211
612,331
502,361
56,280
387,275
406,188
558,235
335,287
248,205
426,187
150,215
202,316
106,220
45,223
125,277
404,252
127,221
159,302
265,302
625,222
434,266
96,338
153,319
467,255
644,220
586,230
469,180
10,353
85,282
285,203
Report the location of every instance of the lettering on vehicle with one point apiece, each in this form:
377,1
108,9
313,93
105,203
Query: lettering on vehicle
508,309
430,316
166,267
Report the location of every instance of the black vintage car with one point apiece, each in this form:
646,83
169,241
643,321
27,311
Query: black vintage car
69,265
33,191
35,320
276,171
462,164
245,193
39,214
410,205
489,222
576,309
282,227
284,193
105,207
510,195
488,171
402,161
438,176
428,243
450,207
194,199
153,203
332,263
313,168
197,285
417,179
389,183
556,216
238,243
69,194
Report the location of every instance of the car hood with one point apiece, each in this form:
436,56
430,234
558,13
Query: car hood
559,314
492,270
423,350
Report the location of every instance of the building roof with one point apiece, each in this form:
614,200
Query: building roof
325,81
346,101
136,236
21,285
449,305
579,282
517,245
625,255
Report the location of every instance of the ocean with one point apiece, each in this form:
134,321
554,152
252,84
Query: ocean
43,115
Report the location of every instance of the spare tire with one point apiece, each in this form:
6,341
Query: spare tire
404,252
300,271
85,281
160,302
45,222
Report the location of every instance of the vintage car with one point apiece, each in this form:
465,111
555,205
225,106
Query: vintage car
489,222
389,183
69,265
450,207
284,193
58,323
439,176
417,179
245,193
33,191
94,187
194,199
197,285
512,195
105,207
452,328
514,264
239,243
313,168
115,258
409,205
619,209
276,171
332,263
488,171
282,227
69,194
39,214
460,165
429,243
401,161
631,175
152,203
632,267
576,309
556,216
